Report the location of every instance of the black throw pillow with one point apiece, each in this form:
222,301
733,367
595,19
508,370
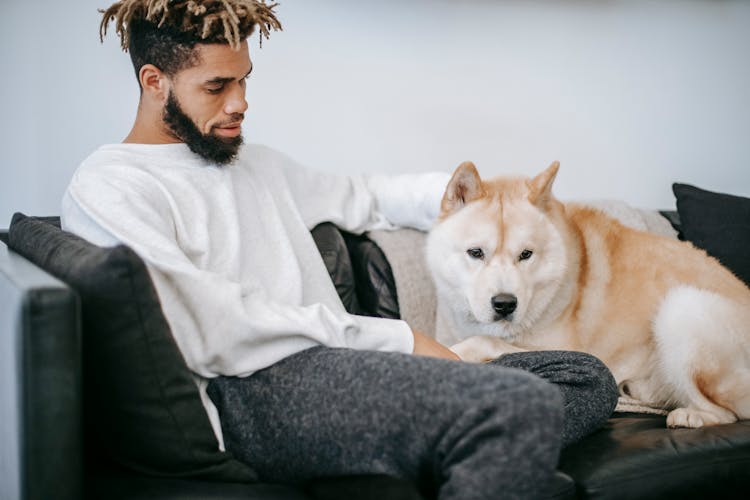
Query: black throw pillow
140,400
719,224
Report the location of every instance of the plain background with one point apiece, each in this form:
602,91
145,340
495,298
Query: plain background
629,95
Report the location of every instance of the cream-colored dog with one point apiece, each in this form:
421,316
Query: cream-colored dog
515,269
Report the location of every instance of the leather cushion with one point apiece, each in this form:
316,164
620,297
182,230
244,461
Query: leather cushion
114,483
637,456
360,271
140,398
332,248
375,285
718,223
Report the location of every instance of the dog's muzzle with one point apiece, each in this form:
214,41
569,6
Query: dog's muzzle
504,304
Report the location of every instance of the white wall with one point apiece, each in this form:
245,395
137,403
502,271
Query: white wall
630,95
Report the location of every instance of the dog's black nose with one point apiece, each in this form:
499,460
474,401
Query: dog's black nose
504,304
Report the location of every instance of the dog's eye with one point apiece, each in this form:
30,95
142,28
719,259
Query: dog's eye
475,253
526,254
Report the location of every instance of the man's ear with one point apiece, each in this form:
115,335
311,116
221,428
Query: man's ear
154,82
540,187
465,186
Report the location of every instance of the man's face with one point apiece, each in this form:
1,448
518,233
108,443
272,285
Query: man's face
206,103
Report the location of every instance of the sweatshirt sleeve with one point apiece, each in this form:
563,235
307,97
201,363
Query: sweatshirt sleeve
221,326
364,202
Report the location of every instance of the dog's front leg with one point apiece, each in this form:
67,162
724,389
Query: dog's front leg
481,349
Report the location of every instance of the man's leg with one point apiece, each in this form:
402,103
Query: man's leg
469,431
588,387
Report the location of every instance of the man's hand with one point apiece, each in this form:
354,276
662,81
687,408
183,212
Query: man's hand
427,346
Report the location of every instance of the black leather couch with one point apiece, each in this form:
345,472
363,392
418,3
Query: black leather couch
48,452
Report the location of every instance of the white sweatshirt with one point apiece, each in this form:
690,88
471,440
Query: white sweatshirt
240,280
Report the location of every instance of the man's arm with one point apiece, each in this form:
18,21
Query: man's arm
427,346
358,203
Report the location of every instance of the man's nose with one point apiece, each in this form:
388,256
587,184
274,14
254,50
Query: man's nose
236,102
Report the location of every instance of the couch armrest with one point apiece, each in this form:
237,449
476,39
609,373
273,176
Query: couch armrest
41,444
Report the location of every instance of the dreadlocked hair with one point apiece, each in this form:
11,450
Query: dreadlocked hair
165,32
210,21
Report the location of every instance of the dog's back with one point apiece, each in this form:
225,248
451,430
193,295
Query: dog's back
691,312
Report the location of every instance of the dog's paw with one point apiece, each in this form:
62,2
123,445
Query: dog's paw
482,349
694,418
470,350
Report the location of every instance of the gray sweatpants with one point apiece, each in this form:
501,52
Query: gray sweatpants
467,431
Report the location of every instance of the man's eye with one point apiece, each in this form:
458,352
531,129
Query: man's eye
525,255
475,253
214,90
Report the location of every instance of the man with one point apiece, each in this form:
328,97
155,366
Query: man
293,384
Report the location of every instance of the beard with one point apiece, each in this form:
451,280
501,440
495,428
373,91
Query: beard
219,150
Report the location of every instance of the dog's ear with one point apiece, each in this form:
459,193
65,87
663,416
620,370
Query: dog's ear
540,187
465,186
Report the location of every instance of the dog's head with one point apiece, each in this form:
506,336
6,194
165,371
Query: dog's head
497,252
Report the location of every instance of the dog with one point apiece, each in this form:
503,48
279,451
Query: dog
515,269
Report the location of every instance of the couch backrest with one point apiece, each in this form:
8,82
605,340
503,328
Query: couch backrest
40,397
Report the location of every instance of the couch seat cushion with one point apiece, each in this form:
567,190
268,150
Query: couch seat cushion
637,456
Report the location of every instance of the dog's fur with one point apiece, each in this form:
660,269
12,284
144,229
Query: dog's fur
671,323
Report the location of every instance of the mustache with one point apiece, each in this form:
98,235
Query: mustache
234,118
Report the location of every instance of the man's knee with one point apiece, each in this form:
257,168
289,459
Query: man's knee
530,402
506,438
599,379
576,369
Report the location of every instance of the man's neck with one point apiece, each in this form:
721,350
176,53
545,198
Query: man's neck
149,129
139,137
